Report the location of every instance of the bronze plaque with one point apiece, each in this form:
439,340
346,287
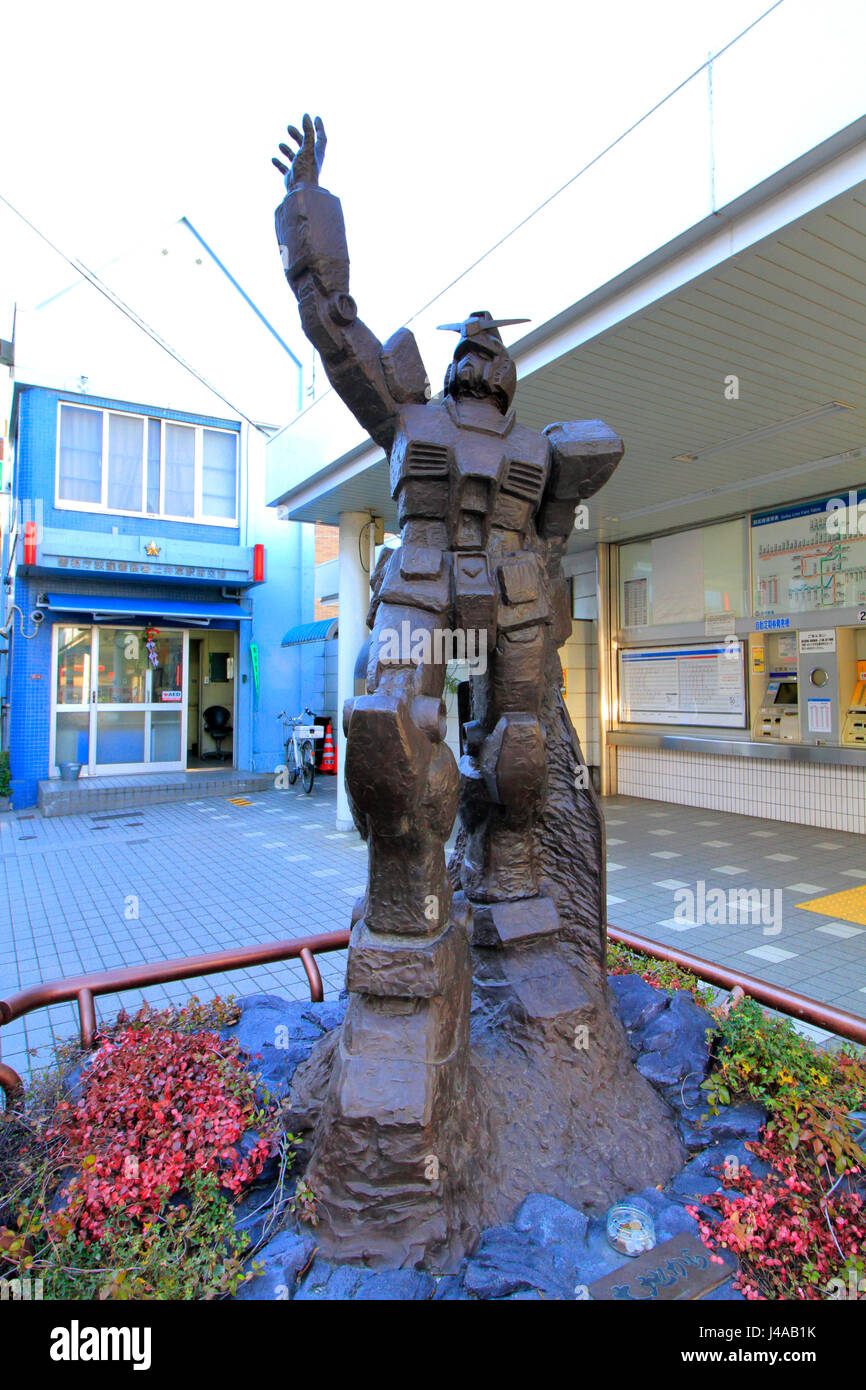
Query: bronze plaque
680,1268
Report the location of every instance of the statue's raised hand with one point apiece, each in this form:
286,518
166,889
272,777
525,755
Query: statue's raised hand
306,162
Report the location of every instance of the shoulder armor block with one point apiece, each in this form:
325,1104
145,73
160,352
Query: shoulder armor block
585,453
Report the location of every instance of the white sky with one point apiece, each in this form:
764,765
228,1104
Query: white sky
447,124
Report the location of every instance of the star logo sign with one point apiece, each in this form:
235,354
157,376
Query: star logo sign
152,549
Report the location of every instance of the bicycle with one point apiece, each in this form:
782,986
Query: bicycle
299,747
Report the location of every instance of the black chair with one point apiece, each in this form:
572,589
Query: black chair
216,723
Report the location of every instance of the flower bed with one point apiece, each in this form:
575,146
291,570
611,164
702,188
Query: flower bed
123,1177
799,1230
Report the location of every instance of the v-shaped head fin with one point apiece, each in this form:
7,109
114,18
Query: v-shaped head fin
478,322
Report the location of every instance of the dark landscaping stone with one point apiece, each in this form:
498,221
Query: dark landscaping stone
690,1185
733,1122
449,1288
283,1258
508,1261
74,1080
266,1020
279,1034
396,1285
730,1152
327,1015
674,1045
325,1282
551,1222
635,1001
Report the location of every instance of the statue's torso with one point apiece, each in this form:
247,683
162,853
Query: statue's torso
468,484
474,472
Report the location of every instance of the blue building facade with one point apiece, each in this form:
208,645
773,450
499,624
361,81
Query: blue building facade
148,587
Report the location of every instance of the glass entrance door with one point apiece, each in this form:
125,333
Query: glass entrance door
121,699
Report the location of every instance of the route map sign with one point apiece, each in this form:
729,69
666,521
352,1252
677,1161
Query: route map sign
811,556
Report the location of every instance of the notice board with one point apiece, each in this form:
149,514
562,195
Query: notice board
698,683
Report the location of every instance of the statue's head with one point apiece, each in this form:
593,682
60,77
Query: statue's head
482,365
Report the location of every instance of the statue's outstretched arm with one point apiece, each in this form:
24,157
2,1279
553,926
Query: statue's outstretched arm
374,381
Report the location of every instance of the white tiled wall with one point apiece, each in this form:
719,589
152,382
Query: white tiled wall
579,656
579,659
823,794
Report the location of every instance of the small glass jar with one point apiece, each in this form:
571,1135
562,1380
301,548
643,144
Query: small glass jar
630,1230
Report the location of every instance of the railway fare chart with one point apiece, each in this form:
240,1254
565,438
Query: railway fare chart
700,684
810,556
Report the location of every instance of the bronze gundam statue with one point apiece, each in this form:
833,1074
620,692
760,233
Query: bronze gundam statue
485,507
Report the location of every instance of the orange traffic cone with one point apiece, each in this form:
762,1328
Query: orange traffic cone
329,756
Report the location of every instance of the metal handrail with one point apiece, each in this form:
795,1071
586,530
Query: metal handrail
840,1021
84,988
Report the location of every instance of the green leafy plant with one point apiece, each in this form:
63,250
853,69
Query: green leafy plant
5,775
799,1231
764,1057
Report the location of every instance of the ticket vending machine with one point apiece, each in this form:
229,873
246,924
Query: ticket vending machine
854,725
779,715
774,687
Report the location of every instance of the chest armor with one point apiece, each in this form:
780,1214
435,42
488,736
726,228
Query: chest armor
472,479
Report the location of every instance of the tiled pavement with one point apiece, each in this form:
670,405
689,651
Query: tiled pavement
657,851
207,875
201,875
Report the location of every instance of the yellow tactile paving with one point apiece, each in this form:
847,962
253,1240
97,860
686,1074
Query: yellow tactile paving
849,906
239,801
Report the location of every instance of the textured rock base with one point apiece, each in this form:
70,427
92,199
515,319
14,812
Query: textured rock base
545,1248
569,1114
394,1113
546,1099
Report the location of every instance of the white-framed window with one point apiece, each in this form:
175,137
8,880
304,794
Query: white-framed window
141,465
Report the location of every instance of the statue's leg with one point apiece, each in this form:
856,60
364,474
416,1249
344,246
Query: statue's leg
505,770
400,774
517,928
391,1162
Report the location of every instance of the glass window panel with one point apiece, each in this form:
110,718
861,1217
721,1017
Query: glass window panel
154,432
125,446
80,459
167,678
219,474
73,666
72,738
120,736
122,675
165,736
179,470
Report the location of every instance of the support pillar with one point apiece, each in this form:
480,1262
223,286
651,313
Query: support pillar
353,601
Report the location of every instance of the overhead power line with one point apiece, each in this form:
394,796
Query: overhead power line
93,279
580,172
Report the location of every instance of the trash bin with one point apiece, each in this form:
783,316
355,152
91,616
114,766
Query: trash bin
69,771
